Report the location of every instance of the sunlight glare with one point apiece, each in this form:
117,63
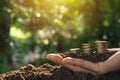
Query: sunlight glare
18,33
46,41
63,9
38,14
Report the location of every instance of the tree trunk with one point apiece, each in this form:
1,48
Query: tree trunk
4,31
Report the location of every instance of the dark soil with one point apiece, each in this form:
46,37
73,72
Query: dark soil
48,72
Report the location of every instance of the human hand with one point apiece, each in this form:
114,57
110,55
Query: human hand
71,63
80,65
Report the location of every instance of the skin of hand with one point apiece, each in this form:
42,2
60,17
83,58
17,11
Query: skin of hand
64,62
81,65
113,63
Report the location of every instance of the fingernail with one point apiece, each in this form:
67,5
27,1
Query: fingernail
49,56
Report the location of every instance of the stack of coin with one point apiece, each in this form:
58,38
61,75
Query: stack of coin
101,46
75,50
87,48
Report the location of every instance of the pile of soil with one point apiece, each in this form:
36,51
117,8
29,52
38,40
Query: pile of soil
49,72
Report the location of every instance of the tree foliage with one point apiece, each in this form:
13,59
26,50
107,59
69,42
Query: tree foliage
58,25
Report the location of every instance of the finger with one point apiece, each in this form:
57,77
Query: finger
56,58
74,68
80,63
77,69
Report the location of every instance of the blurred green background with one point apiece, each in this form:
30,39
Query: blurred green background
30,29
